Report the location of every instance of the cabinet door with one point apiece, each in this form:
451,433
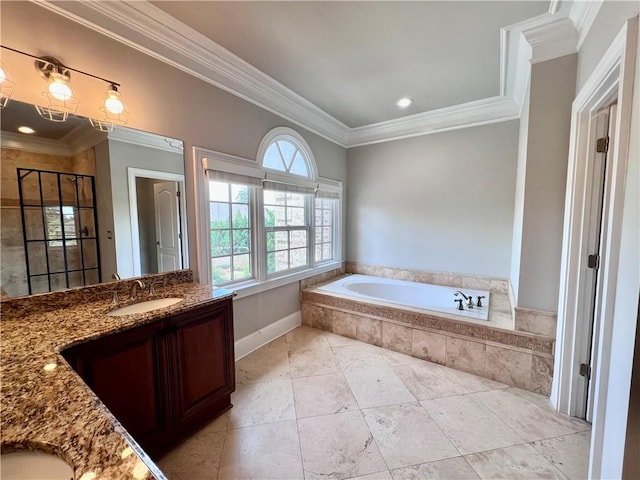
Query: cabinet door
127,371
202,365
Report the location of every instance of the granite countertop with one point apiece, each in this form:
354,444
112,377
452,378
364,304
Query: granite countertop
51,409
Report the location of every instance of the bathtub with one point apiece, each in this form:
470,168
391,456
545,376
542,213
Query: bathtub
421,296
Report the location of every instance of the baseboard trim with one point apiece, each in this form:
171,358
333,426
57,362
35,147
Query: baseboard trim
255,340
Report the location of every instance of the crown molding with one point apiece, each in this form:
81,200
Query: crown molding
45,146
144,27
583,14
83,137
554,39
480,112
145,139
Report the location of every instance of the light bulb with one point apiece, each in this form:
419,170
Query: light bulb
59,87
113,103
3,76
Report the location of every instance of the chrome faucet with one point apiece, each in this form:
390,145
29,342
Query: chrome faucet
134,288
468,300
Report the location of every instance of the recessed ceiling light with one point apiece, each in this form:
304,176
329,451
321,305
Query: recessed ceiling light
404,102
27,130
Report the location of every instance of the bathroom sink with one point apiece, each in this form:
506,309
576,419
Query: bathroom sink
144,307
30,465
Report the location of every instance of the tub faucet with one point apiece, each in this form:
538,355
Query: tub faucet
468,300
134,288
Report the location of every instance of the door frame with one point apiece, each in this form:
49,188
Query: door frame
611,81
132,174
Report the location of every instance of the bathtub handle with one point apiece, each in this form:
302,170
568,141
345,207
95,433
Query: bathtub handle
479,303
459,300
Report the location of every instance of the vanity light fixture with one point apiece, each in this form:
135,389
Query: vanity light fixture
113,107
26,130
50,367
61,99
404,102
59,92
6,86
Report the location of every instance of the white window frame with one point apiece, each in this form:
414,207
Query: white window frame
205,159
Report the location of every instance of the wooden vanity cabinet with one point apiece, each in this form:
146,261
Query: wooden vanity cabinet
202,365
128,372
165,379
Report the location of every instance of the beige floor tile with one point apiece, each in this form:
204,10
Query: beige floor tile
470,425
406,435
322,395
450,469
570,454
314,361
306,338
197,457
270,362
377,387
258,403
520,462
384,475
428,380
262,451
540,400
338,446
359,357
528,419
394,359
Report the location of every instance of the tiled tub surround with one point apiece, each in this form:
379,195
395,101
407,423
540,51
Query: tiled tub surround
492,350
53,410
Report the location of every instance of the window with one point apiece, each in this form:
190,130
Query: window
273,219
230,221
287,229
58,224
325,209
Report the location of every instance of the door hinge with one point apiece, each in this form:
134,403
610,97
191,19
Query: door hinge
602,144
585,370
593,261
178,194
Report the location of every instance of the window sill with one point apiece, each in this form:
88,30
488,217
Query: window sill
246,289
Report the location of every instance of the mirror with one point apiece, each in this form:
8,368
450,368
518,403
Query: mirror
79,205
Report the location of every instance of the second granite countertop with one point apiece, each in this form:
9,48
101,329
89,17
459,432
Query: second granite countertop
46,406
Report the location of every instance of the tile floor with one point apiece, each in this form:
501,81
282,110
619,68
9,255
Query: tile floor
316,405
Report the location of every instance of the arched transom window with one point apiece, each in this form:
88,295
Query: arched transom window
284,150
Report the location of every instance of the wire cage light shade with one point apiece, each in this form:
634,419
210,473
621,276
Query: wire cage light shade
59,93
113,107
51,114
6,86
101,125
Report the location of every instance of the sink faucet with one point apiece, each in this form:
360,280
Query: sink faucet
468,300
137,284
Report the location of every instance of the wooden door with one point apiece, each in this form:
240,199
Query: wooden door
201,358
127,371
168,235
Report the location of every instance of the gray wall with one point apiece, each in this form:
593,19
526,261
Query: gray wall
606,26
147,224
542,181
166,101
122,156
440,202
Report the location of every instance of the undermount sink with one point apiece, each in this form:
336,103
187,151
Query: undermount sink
144,307
29,465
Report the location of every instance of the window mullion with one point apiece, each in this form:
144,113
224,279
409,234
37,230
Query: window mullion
259,234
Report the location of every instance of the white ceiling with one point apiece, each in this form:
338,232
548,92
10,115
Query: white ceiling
355,59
